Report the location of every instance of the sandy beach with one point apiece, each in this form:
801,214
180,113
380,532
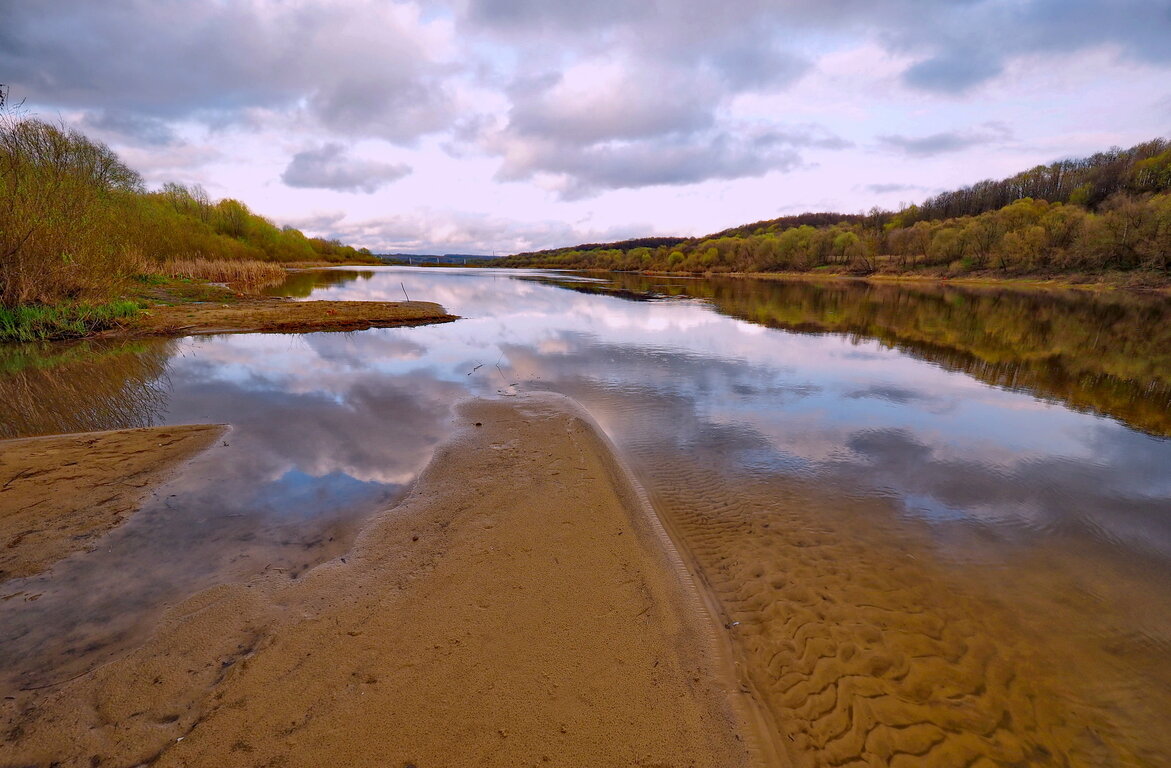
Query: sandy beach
522,606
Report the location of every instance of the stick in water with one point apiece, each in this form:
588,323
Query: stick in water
405,292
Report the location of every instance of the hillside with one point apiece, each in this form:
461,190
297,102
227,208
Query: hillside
1110,212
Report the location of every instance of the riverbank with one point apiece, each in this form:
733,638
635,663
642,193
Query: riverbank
184,307
1098,284
1119,282
61,493
522,606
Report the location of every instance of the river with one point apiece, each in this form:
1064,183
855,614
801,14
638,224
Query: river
936,520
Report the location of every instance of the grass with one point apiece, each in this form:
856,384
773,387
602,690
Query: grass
235,271
33,322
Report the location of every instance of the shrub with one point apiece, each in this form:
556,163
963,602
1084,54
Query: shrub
58,200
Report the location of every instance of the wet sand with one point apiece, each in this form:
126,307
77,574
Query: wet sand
521,607
868,651
274,315
60,494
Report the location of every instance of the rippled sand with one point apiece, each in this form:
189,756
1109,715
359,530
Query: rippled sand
869,651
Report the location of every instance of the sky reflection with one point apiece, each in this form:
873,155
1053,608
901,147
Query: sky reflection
944,444
853,409
330,427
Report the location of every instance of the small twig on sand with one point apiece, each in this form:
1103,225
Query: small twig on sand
18,475
60,682
478,367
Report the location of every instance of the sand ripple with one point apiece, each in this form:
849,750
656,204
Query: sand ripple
868,652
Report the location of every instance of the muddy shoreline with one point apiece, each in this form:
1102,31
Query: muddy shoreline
1055,282
521,606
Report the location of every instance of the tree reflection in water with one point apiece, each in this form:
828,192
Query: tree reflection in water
83,386
1105,353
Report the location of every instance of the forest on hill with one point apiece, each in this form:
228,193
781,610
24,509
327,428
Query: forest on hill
1110,212
77,224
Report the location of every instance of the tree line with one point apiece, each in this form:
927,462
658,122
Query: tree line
76,223
1108,212
1090,181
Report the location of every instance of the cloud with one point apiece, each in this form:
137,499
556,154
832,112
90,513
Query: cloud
610,124
596,101
359,68
947,141
757,67
328,167
387,69
129,126
648,106
953,47
1020,493
159,164
953,71
670,160
973,41
455,232
884,189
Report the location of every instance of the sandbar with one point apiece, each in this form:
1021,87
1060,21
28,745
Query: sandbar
277,315
520,607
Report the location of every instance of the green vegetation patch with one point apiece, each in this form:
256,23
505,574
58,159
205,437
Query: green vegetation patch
62,321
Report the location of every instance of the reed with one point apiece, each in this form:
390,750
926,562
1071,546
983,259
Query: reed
242,272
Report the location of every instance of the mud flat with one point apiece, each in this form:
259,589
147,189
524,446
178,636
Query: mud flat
60,494
521,607
276,315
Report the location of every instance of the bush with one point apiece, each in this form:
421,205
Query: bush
59,193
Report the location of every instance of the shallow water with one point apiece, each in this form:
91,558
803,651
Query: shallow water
938,521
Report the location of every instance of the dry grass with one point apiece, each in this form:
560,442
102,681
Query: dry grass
241,272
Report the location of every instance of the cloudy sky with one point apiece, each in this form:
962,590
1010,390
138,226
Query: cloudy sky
475,126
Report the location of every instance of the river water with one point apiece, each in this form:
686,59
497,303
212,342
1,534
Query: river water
937,520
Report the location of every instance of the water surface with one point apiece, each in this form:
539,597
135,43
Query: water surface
938,520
